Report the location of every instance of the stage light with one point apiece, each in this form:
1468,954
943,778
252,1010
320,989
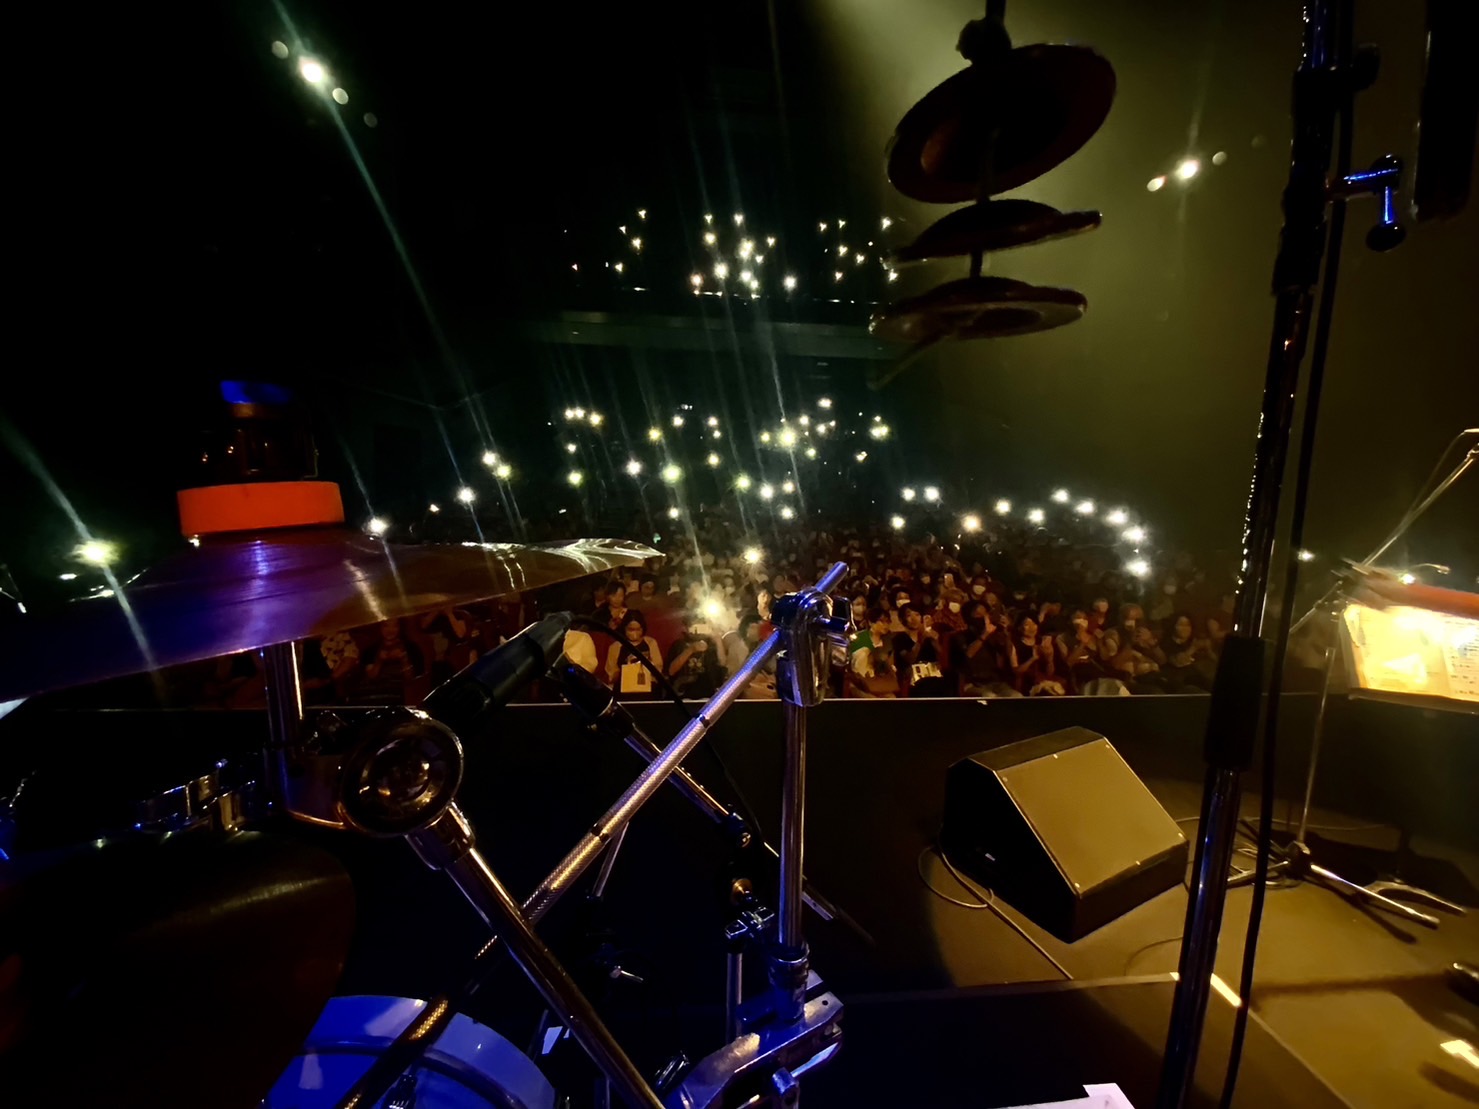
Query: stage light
907,493
859,259
747,278
739,219
340,96
637,245
752,555
654,435
767,491
743,483
1117,517
824,402
836,275
1408,578
713,609
1156,184
279,50
1084,508
674,513
893,275
721,271
580,413
708,217
716,434
1139,567
376,526
1003,507
861,456
503,471
1060,496
886,223
1306,556
746,248
713,459
841,224
931,494
671,473
633,467
712,421
1135,534
879,431
842,251
1188,169
1036,515
677,421
466,495
788,487
312,71
569,413
787,437
896,522
970,522
571,448
490,459
575,478
67,577
822,227
789,282
597,419
710,238
433,507
787,512
811,452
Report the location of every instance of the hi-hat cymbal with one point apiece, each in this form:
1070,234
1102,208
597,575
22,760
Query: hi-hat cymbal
994,225
177,973
1044,101
237,594
977,308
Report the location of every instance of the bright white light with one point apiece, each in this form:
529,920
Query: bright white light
787,437
575,478
907,493
746,277
1084,508
787,512
811,452
739,219
376,526
721,271
836,275
821,227
970,522
1003,507
1060,496
710,238
1219,158
671,473
708,217
841,224
713,609
887,223
765,437
633,467
503,471
896,522
788,487
716,434
789,282
571,448
931,494
713,459
466,495
311,71
340,96
674,513
1138,566
893,275
490,459
433,508
1135,534
743,482
1117,517
569,413
1188,169
804,420
842,251
746,248
677,421
752,555
861,456
1156,184
824,402
67,577
770,240
637,245
859,259
1036,515
879,431
654,434
712,421
597,419
580,413
1408,578
767,491
1306,556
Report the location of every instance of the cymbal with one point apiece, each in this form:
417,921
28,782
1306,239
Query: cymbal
180,972
237,594
994,225
1045,100
977,308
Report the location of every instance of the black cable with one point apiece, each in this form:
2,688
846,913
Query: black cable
985,899
1345,111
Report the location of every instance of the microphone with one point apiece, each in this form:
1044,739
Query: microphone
493,680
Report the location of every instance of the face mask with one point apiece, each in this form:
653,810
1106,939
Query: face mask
978,589
954,606
925,580
900,602
1080,623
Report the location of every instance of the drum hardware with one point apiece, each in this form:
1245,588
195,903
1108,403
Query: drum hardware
203,802
1006,119
395,773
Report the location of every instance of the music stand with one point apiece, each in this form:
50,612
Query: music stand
1404,644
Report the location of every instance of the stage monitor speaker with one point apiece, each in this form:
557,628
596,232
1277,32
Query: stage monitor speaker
1062,829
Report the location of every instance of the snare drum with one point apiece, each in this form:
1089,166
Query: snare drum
470,1066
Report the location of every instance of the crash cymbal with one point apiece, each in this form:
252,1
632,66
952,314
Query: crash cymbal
180,972
1045,101
994,225
236,594
977,308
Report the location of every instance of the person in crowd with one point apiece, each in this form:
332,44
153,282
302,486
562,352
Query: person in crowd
1099,615
613,613
329,667
623,669
453,638
1216,627
695,665
982,657
647,591
1024,640
858,610
902,600
920,659
394,667
1186,658
1045,675
949,615
872,671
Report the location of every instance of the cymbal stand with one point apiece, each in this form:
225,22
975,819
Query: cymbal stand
1298,861
397,772
1328,75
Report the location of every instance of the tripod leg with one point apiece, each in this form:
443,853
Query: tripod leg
1415,893
1363,893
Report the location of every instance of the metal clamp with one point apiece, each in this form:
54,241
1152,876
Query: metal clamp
1382,181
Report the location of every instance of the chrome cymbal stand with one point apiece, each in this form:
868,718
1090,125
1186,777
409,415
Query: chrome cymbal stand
396,772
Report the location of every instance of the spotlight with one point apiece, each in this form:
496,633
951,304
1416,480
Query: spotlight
879,431
743,482
1138,567
1135,534
787,437
1060,496
671,473
433,508
67,577
571,448
466,495
896,522
376,526
98,552
824,402
503,471
1117,517
811,452
788,487
1156,184
787,512
767,491
789,281
931,494
907,493
1003,507
575,478
674,513
633,467
713,459
597,419
1306,556
1084,508
712,421
677,421
970,522
312,71
1036,515
1188,169
861,456
654,434
752,555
